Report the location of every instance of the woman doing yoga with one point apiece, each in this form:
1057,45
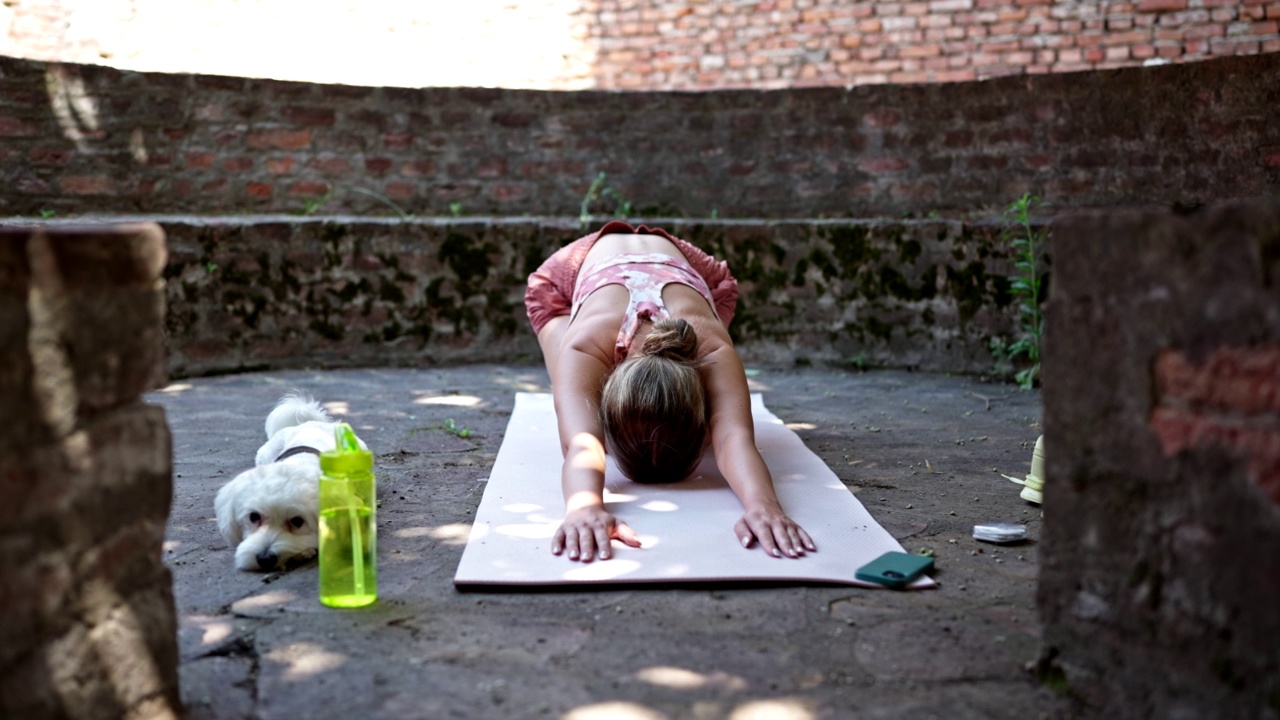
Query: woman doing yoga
641,364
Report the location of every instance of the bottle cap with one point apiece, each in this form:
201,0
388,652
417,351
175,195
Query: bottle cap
348,456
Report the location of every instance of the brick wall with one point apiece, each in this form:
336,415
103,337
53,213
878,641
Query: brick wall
86,472
82,139
659,44
636,44
1159,586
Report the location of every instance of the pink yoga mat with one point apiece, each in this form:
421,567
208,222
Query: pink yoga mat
686,528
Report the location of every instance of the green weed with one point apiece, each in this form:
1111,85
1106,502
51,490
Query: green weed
312,205
384,200
601,190
454,429
1027,244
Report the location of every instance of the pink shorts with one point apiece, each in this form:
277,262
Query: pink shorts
549,293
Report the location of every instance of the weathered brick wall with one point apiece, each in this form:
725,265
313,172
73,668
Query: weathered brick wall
637,44
81,139
86,472
282,292
662,44
1160,578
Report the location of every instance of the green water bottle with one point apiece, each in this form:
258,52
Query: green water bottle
348,524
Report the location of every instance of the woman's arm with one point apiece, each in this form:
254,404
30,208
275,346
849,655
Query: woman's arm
733,439
588,527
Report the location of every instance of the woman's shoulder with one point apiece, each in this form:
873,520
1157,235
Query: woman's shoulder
713,337
594,329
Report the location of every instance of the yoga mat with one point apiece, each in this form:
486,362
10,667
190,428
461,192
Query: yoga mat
686,528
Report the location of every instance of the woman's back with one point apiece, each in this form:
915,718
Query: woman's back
602,313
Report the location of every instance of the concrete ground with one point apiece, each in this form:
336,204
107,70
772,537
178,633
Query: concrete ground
922,452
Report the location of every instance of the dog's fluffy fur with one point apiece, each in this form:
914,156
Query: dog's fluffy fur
269,514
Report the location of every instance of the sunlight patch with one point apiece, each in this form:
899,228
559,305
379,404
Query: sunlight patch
275,598
451,400
682,679
614,711
780,709
453,534
414,532
337,407
215,633
306,659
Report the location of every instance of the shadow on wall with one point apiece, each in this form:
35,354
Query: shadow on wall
89,610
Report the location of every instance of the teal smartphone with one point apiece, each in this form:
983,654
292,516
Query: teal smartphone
895,569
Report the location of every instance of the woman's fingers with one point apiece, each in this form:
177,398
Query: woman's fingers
623,532
779,537
584,542
557,541
600,538
572,544
806,540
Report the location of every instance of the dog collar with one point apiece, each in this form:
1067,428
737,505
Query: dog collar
297,451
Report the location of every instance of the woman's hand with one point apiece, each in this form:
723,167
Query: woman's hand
778,534
587,531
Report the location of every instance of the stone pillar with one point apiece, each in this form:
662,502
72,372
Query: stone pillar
89,628
1159,588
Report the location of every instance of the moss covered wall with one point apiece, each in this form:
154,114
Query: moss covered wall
280,291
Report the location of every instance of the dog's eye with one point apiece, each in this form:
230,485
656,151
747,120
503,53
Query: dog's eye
296,522
255,518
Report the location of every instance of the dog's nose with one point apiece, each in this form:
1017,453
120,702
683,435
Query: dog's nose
267,560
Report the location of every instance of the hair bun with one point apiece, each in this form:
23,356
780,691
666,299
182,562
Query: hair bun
672,338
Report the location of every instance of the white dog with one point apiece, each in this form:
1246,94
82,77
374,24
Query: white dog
269,514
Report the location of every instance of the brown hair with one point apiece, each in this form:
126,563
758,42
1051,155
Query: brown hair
654,408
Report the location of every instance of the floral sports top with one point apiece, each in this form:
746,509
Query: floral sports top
643,276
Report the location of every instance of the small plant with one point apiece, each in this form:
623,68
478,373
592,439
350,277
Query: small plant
382,199
601,190
211,267
313,205
454,429
455,209
48,213
1002,365
1027,242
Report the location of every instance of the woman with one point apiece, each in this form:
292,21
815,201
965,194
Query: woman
633,326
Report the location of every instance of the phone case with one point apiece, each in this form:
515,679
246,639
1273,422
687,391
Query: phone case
895,569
